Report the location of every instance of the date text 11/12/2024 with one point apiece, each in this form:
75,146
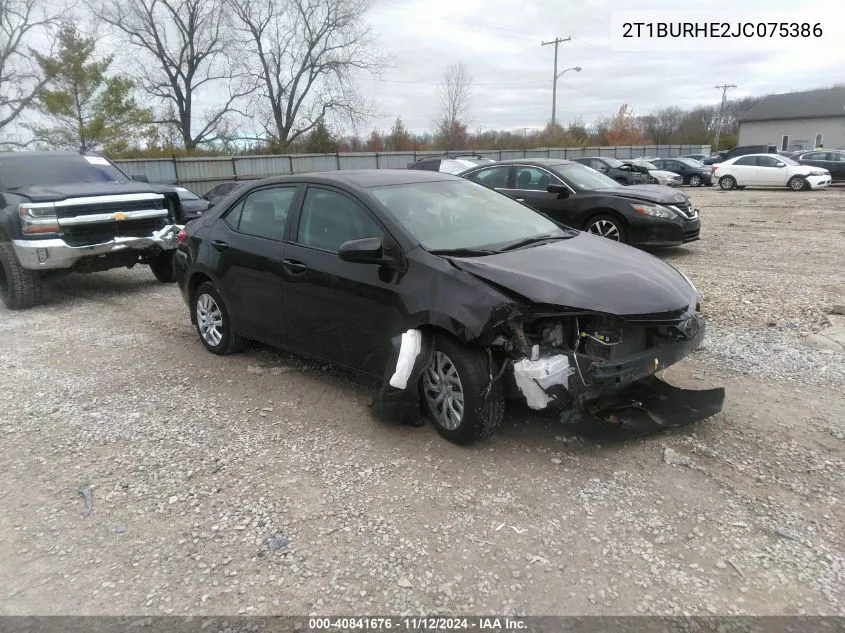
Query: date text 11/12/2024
492,623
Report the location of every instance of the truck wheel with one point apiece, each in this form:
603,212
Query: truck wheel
163,267
453,388
19,288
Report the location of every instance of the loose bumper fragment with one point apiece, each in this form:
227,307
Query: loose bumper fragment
644,408
398,398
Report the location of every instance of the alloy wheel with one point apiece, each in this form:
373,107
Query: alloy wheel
796,183
605,228
695,181
444,392
209,320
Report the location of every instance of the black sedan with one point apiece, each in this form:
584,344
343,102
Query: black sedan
575,195
192,205
455,295
222,190
694,172
623,173
831,160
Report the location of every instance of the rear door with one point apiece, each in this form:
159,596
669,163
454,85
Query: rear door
248,242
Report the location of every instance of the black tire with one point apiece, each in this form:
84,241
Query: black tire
727,183
229,341
19,288
481,416
597,224
163,267
798,183
694,181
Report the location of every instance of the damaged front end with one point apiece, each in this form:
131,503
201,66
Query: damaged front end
599,370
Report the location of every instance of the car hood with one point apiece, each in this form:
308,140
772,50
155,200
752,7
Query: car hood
585,272
650,193
54,193
663,173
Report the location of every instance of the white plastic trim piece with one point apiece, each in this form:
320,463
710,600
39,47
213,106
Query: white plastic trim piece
533,377
408,352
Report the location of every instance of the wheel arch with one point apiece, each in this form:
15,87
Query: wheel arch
593,213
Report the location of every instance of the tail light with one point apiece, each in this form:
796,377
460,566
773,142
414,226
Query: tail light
181,236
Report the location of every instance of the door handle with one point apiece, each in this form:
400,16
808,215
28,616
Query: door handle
220,245
294,267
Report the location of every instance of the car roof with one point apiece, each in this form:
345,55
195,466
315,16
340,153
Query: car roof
364,178
538,162
755,154
40,154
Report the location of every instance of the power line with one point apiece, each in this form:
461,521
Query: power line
724,88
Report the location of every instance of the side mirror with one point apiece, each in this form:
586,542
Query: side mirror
210,203
368,250
140,178
780,165
561,190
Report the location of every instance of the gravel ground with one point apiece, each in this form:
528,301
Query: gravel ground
143,475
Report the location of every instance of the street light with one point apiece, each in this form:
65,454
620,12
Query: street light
577,69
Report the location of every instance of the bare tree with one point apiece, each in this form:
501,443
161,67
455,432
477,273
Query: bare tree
20,76
188,42
454,98
301,56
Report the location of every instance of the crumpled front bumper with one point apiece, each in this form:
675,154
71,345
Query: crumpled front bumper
55,254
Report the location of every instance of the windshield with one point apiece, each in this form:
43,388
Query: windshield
450,215
44,170
582,177
184,194
613,162
690,162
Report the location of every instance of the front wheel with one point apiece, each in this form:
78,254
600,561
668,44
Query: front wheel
19,288
163,267
797,183
695,181
606,225
213,323
453,387
727,183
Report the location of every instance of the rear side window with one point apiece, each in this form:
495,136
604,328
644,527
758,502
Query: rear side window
496,177
265,212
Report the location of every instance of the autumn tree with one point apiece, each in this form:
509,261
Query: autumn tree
400,139
623,128
86,108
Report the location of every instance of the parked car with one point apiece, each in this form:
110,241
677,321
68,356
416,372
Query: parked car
192,205
831,160
660,176
221,191
621,172
583,198
740,150
77,212
451,163
692,172
698,157
767,170
455,295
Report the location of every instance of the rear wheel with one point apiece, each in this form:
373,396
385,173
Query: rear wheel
452,388
606,225
163,267
19,288
727,183
695,181
797,183
213,323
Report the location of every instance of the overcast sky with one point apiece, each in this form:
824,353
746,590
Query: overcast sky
499,42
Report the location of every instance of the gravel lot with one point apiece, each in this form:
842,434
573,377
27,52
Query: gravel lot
260,483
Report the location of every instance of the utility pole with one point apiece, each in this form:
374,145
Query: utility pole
724,89
557,41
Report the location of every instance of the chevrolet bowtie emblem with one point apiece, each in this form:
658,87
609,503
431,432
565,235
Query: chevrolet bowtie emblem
119,216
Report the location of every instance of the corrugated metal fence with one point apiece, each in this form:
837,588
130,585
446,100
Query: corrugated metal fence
202,174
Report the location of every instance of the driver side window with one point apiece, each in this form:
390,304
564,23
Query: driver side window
534,179
495,177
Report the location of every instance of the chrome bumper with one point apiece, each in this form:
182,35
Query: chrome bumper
56,253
